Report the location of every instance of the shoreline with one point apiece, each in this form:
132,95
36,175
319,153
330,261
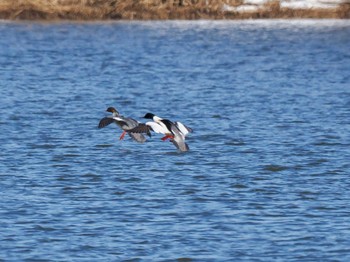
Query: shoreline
97,10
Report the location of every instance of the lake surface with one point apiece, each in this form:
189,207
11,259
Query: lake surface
267,174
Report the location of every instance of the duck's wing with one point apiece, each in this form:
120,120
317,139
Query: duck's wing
137,137
120,121
183,128
147,127
141,128
130,123
180,144
179,139
105,122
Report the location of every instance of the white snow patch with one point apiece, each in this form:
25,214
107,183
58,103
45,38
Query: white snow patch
240,8
311,4
256,2
255,5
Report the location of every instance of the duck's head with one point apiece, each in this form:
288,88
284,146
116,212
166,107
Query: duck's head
149,116
112,110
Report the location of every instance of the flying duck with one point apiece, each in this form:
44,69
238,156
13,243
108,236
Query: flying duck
175,131
125,123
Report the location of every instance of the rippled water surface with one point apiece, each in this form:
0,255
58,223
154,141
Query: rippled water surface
267,174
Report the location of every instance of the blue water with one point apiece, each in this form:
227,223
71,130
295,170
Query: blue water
267,174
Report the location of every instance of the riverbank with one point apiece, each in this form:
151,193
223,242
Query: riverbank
170,9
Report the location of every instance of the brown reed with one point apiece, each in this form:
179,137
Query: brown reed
152,10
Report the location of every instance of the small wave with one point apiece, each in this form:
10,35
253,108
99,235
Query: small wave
327,143
238,186
42,228
103,145
275,168
235,142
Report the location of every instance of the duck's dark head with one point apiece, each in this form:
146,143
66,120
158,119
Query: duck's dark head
149,116
112,110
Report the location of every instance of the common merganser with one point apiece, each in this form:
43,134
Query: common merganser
175,131
125,123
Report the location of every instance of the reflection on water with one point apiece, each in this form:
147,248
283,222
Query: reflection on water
266,176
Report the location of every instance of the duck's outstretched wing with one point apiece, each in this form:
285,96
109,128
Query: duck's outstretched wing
109,120
120,121
183,128
137,137
105,122
180,144
179,138
142,128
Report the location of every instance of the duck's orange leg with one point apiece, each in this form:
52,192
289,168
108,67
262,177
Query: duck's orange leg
122,135
167,137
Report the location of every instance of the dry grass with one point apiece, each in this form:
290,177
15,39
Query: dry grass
150,9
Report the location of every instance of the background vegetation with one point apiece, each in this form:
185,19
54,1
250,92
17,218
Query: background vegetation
153,9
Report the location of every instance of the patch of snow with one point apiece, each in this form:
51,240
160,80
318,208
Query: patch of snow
255,5
240,8
227,8
256,2
311,4
338,2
